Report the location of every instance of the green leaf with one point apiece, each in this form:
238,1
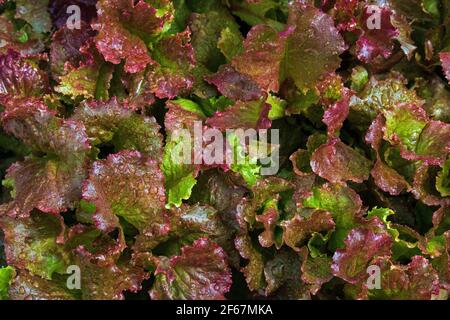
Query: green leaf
359,78
317,244
443,179
181,16
87,81
206,29
190,106
260,12
242,163
278,105
31,244
6,275
405,123
111,121
344,204
432,7
401,248
378,96
180,177
230,43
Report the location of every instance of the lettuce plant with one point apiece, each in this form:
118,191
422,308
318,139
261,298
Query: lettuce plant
96,203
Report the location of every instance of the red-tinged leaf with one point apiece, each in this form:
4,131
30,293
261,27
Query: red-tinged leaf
265,197
424,188
254,269
441,221
139,70
173,75
166,84
19,78
441,262
404,31
331,89
200,272
261,58
6,34
376,41
53,183
415,281
180,154
179,116
381,95
130,186
251,114
33,244
433,145
282,273
361,246
442,266
337,113
10,39
51,186
303,185
207,28
203,221
445,61
339,163
123,31
269,219
300,160
32,122
344,204
100,247
140,95
297,230
25,286
315,271
91,79
95,253
264,192
374,135
385,177
111,121
60,14
65,48
235,85
219,190
345,14
404,125
313,46
107,282
436,243
369,49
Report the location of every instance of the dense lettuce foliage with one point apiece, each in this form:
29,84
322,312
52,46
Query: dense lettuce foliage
91,179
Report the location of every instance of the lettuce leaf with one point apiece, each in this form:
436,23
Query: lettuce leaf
199,272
